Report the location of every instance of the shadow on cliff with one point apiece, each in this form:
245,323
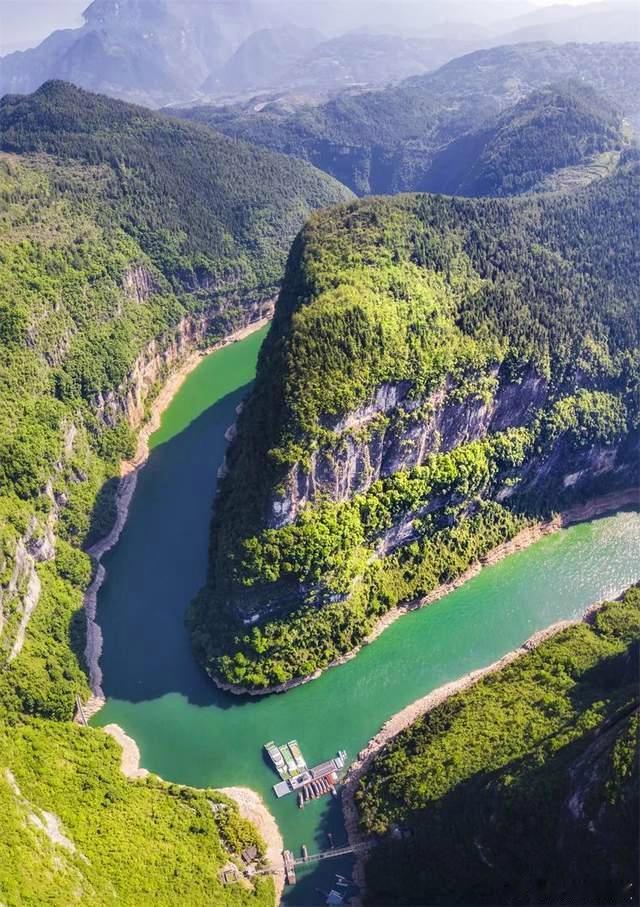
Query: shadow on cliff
159,565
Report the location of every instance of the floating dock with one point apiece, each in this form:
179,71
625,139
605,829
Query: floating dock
289,867
313,782
287,760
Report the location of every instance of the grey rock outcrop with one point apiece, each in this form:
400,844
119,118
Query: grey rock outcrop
366,450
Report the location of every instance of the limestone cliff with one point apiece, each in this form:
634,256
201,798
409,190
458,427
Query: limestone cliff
161,355
23,552
367,448
439,373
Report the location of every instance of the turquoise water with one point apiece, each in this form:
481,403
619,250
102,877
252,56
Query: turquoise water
189,732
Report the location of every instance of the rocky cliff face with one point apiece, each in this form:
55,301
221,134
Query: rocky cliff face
21,589
139,283
565,473
20,585
162,354
395,431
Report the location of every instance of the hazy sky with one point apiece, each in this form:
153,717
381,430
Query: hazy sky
24,23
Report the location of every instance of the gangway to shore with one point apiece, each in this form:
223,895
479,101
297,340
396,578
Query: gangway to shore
335,852
290,862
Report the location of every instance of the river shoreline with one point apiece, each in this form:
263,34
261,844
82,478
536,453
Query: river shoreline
129,472
408,716
250,804
130,757
580,513
253,808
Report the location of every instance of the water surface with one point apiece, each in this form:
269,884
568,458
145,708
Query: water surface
188,732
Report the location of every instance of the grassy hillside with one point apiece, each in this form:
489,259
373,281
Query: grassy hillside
507,352
125,239
385,141
551,129
522,789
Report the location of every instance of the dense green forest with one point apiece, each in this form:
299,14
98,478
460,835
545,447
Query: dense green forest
117,226
385,141
551,129
489,316
206,209
522,789
97,261
124,842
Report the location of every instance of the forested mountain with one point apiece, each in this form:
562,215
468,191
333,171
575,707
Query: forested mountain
222,212
126,240
385,141
549,130
439,371
522,789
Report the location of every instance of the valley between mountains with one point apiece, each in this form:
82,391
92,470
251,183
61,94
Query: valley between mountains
319,415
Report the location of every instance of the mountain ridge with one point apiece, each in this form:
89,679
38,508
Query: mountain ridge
384,141
162,52
551,129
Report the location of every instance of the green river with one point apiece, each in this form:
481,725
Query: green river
189,732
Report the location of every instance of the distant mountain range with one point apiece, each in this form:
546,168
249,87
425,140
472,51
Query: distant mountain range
618,21
553,128
151,51
399,138
159,52
293,58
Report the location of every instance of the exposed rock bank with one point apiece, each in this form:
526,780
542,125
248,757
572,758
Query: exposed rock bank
130,759
129,476
416,710
253,808
597,507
